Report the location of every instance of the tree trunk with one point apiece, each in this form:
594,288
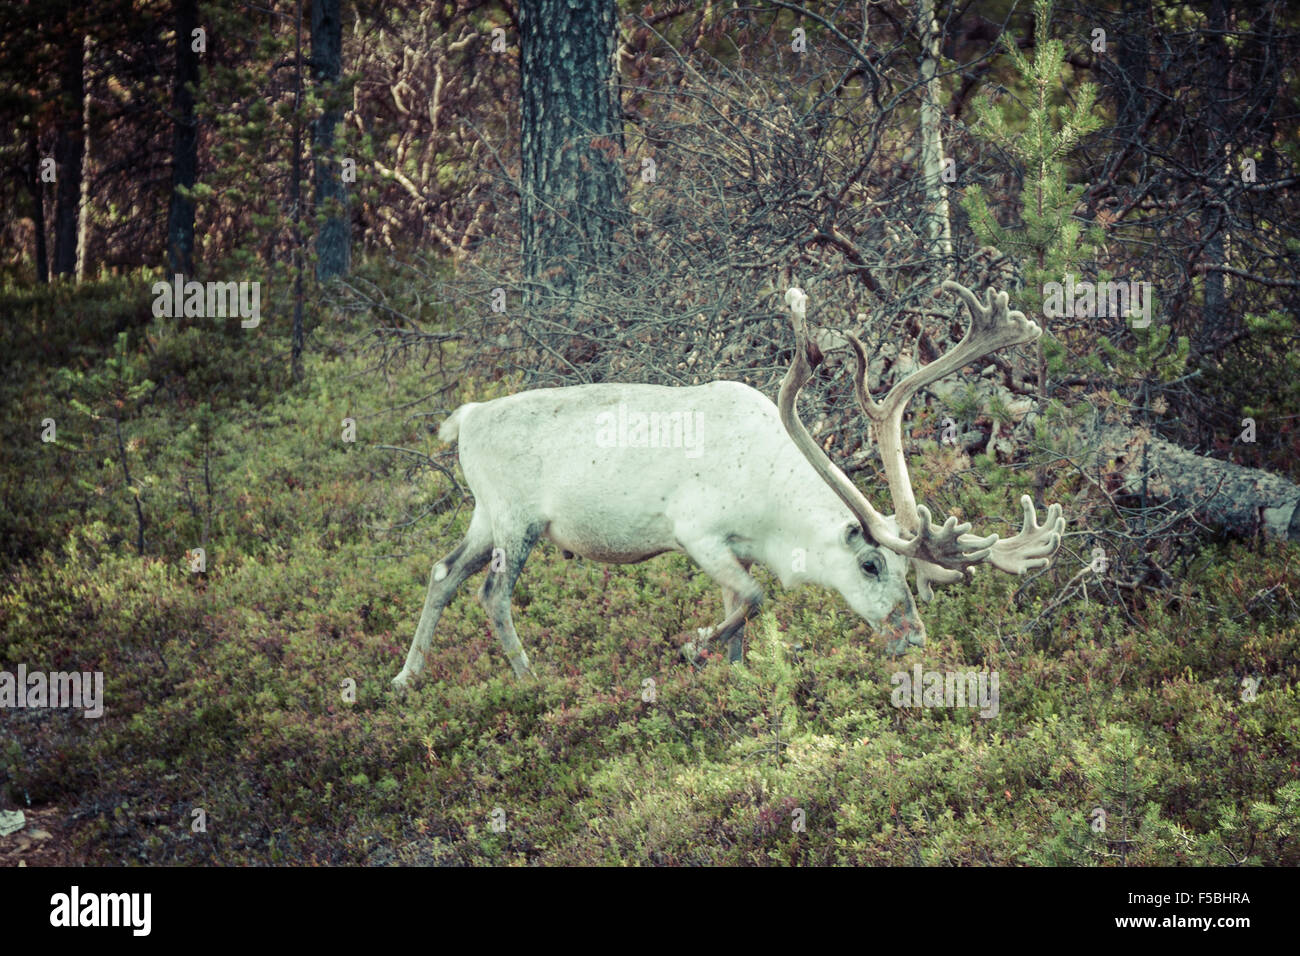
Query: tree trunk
1214,221
67,157
185,142
938,223
83,202
572,139
1239,501
1131,79
37,188
295,195
333,252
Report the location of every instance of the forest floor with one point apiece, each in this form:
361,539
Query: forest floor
248,717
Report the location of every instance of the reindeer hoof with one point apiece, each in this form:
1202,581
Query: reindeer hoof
520,666
900,645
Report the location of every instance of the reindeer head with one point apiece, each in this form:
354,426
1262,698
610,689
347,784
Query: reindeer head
886,545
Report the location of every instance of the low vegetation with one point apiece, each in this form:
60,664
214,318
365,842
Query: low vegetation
248,716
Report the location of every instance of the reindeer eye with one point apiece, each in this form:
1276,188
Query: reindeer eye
871,568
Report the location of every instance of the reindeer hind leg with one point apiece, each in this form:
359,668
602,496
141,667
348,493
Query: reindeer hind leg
512,548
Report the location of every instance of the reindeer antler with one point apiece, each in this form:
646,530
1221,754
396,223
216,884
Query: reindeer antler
937,544
942,553
1034,546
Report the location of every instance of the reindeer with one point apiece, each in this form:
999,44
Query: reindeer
752,487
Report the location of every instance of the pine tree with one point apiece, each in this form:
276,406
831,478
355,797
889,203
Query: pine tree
1049,241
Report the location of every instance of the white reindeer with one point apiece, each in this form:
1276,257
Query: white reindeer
752,487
